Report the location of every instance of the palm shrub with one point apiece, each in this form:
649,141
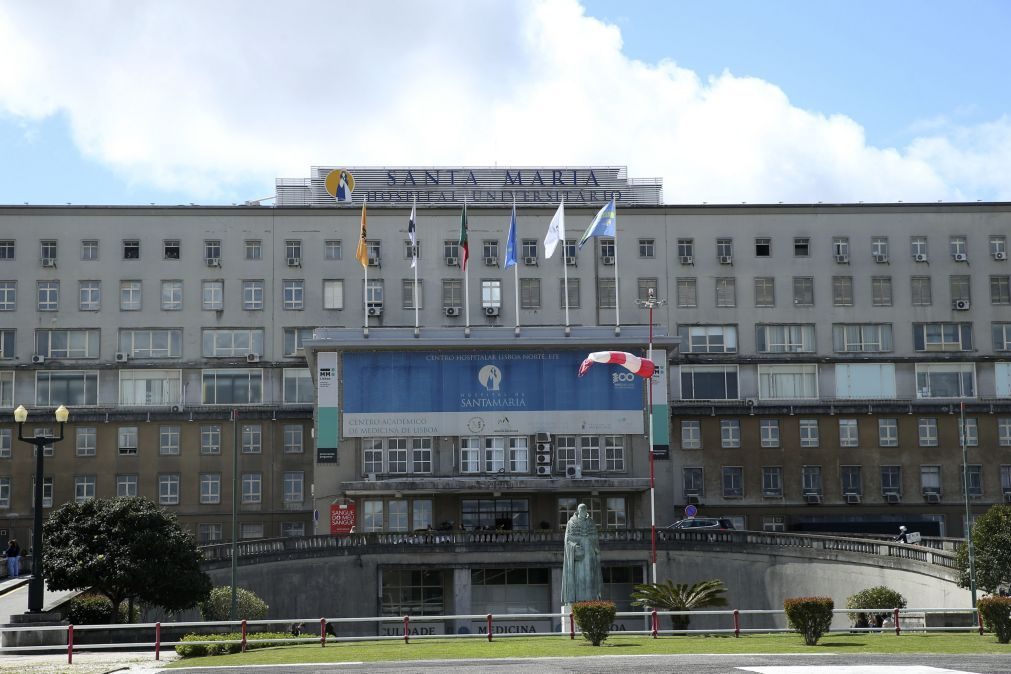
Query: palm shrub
879,597
811,616
996,613
668,596
594,619
219,604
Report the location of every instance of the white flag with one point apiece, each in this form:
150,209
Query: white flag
556,231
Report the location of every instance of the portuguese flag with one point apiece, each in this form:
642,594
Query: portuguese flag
464,247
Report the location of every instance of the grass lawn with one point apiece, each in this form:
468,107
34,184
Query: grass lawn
528,647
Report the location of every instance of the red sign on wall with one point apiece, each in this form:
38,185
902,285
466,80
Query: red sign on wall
342,518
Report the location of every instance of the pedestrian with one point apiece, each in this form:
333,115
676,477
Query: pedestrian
13,559
902,538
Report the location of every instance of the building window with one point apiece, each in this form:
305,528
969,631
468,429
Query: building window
589,451
74,344
960,292
971,477
957,245
375,292
842,291
66,387
687,293
332,249
918,248
726,292
210,439
84,488
171,295
294,487
998,247
691,434
8,295
686,250
1001,336
212,250
127,440
294,338
412,295
250,531
921,294
253,249
489,249
232,387
803,291
848,435
168,440
212,294
811,479
788,382
7,352
801,246
930,479
252,490
47,250
1000,290
293,249
1005,479
708,338
292,529
606,293
647,248
879,248
970,436
942,336
769,432
709,382
945,380
48,295
297,386
881,291
333,294
763,247
6,249
150,387
89,250
126,486
784,338
168,489
614,453
692,480
497,514
852,479
1004,431
131,249
891,480
86,441
452,293
765,292
573,293
252,295
170,249
809,433
862,337
412,250
129,295
90,294
293,439
151,343
293,294
491,293
226,343
210,488
841,248
733,482
774,523
772,481
529,249
730,433
530,293
252,439
421,455
927,431
724,248
888,432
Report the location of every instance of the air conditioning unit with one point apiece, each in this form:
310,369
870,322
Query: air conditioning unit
570,260
177,408
542,437
122,356
687,259
920,257
294,262
772,494
213,261
842,259
932,496
961,305
892,497
49,262
812,498
573,471
852,498
373,261
726,259
544,470
607,260
491,311
530,261
543,459
1000,255
370,477
252,358
491,262
375,310
452,261
452,311
543,447
881,259
693,499
960,257
38,360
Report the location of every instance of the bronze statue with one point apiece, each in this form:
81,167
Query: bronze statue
581,576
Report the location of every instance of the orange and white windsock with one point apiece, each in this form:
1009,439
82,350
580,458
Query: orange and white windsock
634,364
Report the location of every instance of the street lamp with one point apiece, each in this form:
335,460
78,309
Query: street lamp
650,303
36,586
968,511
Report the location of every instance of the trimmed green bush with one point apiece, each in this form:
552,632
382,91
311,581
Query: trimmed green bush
219,605
253,640
879,597
594,619
811,616
996,612
93,609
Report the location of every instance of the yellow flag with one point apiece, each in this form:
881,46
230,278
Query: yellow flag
362,252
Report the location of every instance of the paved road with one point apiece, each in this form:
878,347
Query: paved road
14,597
669,664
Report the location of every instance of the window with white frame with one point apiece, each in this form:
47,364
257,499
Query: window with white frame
129,295
788,382
971,476
730,433
589,450
687,292
861,337
171,295
171,249
691,434
250,531
8,295
232,387
960,289
491,293
930,479
765,291
5,492
421,455
470,454
73,388
724,247
372,516
405,456
297,386
294,338
67,343
1005,479
922,295
566,452
7,248
333,294
614,453
811,479
708,338
252,488
231,342
945,380
888,432
1001,336
1004,431
879,247
168,489
998,246
692,481
763,247
494,454
881,291
293,294
84,488
212,295
733,481
865,380
374,292
397,455
726,292
294,487
842,291
970,435
168,440
891,479
784,338
686,247
293,439
647,248
958,245
89,250
803,291
162,343
212,249
530,293
90,295
606,293
942,336
775,523
1002,379
126,485
210,439
210,488
332,249
292,529
86,441
709,382
150,387
1000,290
769,432
293,249
411,294
252,295
841,246
852,479
772,480
927,431
253,249
48,295
252,438
918,246
809,435
848,435
6,389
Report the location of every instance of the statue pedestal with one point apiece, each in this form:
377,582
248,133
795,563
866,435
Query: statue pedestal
41,638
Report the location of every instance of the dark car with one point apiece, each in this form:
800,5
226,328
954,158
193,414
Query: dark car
703,523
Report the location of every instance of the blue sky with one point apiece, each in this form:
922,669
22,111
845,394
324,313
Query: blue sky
727,101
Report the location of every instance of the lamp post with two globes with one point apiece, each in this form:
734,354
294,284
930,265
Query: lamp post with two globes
36,586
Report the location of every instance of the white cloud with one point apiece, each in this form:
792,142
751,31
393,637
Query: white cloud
203,96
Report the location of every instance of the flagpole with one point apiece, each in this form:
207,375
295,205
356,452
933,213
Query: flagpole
516,268
466,280
365,288
565,268
414,260
617,294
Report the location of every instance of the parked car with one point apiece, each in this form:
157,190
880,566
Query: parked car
721,523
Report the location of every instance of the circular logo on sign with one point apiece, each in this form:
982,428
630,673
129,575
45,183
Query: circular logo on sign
476,425
691,511
490,377
339,184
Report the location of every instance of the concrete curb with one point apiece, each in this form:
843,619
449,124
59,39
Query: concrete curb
12,585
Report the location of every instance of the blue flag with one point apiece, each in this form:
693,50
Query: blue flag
603,224
510,259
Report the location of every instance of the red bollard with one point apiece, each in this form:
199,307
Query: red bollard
572,626
656,623
157,641
70,644
243,645
489,627
898,630
407,629
322,632
737,623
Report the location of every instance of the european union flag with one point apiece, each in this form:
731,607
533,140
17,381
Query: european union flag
604,224
510,258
